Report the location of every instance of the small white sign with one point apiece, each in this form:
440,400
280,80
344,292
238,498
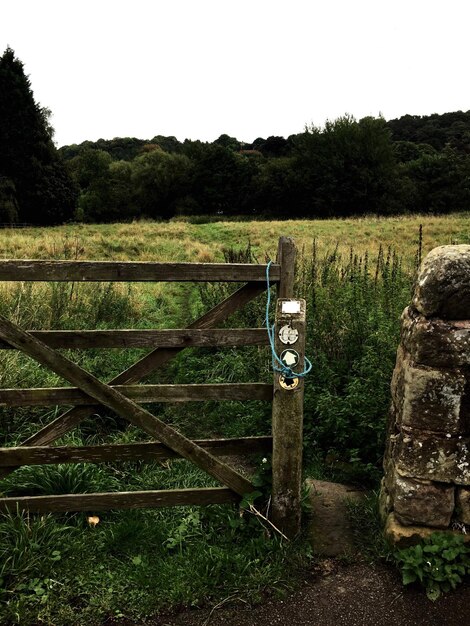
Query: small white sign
290,306
288,335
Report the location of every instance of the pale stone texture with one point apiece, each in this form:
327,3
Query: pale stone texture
406,536
422,503
427,455
443,286
435,342
385,502
432,398
398,383
462,505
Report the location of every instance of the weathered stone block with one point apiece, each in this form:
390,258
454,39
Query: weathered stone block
430,456
389,476
462,505
406,536
435,342
385,502
463,461
398,381
443,286
422,503
427,456
432,398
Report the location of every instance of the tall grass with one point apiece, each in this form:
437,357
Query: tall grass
354,304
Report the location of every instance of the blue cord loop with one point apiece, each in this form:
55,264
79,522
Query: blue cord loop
277,364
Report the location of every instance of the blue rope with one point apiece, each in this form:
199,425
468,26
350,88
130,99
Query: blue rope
277,364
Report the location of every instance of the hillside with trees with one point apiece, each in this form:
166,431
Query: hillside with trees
348,167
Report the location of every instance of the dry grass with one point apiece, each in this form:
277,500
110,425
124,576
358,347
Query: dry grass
183,241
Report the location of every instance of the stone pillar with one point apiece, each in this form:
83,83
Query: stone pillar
427,460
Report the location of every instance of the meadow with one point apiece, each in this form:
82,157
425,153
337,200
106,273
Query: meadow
183,240
356,275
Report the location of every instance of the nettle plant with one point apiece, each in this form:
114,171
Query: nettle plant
439,563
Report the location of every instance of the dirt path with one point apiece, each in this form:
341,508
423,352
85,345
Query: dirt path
341,595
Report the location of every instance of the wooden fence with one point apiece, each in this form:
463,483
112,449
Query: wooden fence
125,397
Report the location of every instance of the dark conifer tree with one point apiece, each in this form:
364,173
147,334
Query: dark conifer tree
45,194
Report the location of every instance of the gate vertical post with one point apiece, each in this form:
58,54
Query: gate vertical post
287,423
286,254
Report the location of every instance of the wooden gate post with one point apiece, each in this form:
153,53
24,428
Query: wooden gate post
286,254
287,419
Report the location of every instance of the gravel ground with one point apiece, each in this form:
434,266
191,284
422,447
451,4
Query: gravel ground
340,595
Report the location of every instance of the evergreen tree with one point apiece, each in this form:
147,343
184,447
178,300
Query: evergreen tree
43,191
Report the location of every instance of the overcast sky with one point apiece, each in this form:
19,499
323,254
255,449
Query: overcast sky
200,68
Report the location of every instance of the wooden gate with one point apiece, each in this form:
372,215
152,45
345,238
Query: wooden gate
124,396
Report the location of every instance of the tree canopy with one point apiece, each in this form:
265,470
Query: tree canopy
347,167
36,187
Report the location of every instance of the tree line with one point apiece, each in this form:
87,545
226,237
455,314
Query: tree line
348,167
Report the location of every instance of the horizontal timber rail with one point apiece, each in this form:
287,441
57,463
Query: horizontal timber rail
174,338
143,394
103,271
216,457
152,451
120,500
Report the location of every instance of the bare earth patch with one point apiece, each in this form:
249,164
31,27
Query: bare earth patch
340,595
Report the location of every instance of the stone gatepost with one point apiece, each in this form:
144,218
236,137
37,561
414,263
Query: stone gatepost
427,460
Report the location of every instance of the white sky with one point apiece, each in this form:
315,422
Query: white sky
200,68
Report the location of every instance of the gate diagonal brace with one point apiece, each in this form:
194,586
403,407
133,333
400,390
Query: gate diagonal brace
145,366
124,407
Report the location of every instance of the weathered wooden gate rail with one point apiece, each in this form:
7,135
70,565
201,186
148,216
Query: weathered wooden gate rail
124,397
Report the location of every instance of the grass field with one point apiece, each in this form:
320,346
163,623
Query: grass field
184,241
357,277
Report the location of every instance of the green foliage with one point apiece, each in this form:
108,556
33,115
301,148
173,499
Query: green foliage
367,528
160,181
348,164
439,563
134,564
436,130
58,479
8,201
348,167
354,306
25,544
44,192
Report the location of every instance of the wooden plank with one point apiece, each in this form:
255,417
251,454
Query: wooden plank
83,271
119,500
151,451
123,406
287,424
286,254
143,394
146,365
178,338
